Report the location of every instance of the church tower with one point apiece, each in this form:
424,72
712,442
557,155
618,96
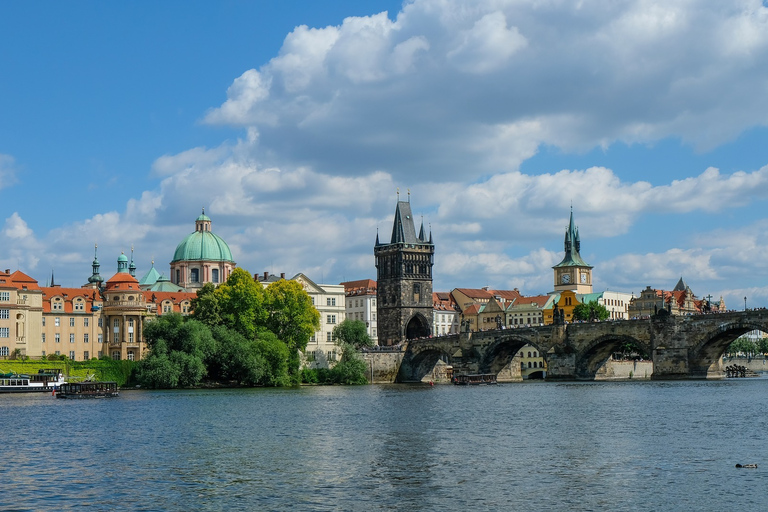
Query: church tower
404,280
573,273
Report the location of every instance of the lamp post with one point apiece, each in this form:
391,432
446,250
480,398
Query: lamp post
745,303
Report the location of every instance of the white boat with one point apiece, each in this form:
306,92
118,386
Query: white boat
42,381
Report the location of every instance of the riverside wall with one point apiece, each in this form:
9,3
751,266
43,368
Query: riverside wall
756,364
382,366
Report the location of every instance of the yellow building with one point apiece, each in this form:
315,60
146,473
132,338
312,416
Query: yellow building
20,315
564,302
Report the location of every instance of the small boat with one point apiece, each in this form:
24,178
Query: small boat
474,379
88,389
42,381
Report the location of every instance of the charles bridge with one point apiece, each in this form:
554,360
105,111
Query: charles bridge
681,347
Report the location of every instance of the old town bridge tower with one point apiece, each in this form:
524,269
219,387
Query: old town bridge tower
404,280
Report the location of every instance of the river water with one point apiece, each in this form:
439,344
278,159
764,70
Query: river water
555,446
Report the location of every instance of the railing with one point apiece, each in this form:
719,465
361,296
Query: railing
21,339
21,302
130,303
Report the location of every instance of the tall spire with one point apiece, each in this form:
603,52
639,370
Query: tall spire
421,231
132,266
95,277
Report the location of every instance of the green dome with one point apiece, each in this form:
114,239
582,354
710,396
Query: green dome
122,257
202,245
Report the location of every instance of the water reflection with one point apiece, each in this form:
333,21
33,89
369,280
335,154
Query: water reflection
597,446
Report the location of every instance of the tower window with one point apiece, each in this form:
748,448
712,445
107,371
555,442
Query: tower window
194,275
215,275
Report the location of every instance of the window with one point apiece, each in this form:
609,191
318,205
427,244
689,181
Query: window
101,322
5,332
215,275
43,321
5,296
4,351
57,306
130,337
101,339
86,355
72,355
5,314
57,338
72,337
167,307
330,319
86,322
86,338
79,305
58,353
43,337
57,321
330,301
130,356
194,275
329,337
116,355
72,322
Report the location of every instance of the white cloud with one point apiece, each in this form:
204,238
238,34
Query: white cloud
480,85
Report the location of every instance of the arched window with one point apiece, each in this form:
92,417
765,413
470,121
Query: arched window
529,353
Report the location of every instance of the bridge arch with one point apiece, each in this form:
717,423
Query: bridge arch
706,357
419,363
595,354
501,352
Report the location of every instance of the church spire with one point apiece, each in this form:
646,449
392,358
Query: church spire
95,277
132,266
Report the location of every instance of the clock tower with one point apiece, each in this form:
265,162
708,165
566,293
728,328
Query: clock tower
573,273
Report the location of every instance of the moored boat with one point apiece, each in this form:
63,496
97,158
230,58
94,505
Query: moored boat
88,389
474,379
42,381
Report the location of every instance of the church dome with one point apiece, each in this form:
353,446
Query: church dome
202,245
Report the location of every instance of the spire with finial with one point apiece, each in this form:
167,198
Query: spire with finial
52,281
421,231
132,266
95,277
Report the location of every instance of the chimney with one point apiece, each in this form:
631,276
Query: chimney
266,275
282,275
7,271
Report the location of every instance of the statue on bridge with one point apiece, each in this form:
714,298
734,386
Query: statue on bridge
558,316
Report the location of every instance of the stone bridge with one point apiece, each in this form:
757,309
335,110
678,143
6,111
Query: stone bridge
681,347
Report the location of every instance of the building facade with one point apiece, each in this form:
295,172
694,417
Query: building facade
360,303
21,309
404,280
446,315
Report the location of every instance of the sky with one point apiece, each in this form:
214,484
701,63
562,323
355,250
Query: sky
294,123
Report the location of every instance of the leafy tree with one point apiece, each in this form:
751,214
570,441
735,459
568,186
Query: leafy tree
590,311
353,332
292,318
179,351
237,358
277,357
742,344
351,369
205,307
241,301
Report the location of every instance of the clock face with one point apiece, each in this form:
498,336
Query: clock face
566,278
583,277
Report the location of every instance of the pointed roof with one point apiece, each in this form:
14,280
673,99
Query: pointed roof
403,229
163,284
572,245
680,286
151,277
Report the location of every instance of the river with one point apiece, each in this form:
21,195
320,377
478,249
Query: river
554,446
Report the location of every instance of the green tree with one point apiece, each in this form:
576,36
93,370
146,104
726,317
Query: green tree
353,332
351,369
180,349
743,345
277,357
590,312
205,307
292,318
241,302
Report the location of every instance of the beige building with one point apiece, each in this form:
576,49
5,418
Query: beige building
446,316
21,309
72,323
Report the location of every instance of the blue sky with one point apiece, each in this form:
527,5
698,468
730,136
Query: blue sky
294,122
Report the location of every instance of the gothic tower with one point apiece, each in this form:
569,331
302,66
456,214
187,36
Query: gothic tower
573,273
404,280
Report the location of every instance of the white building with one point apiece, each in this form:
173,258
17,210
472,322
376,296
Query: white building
329,301
361,304
445,314
617,303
